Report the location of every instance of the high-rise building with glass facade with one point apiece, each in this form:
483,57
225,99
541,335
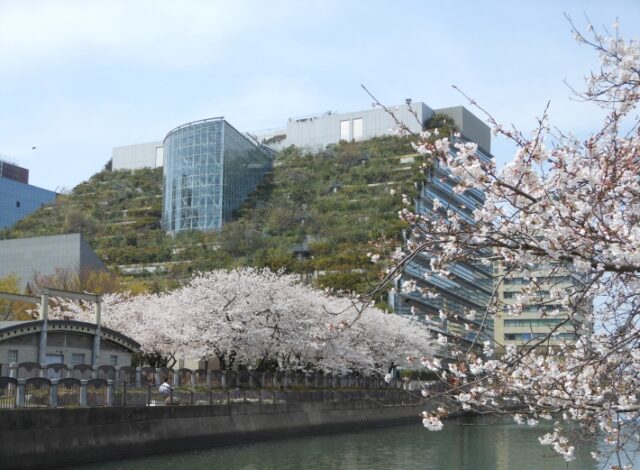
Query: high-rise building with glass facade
469,287
209,170
18,199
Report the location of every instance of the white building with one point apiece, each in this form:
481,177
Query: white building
315,132
133,157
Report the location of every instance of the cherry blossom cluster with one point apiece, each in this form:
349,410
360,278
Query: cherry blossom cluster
254,317
562,206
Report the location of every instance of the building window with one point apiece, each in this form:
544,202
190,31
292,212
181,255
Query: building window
12,357
533,322
77,359
357,129
113,360
17,203
345,130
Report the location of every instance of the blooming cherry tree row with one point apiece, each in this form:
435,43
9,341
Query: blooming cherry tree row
258,318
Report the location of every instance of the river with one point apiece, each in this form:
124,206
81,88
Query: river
476,443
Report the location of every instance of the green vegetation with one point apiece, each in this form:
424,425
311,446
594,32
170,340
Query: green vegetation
314,214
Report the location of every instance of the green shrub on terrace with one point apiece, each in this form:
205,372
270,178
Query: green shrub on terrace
323,200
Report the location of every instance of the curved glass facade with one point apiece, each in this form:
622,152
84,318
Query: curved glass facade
209,170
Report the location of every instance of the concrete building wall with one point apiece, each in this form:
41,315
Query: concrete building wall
62,348
18,200
136,156
316,132
313,133
471,127
25,257
24,347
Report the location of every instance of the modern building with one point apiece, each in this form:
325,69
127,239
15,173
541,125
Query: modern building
27,257
462,297
316,132
209,170
136,156
18,198
539,317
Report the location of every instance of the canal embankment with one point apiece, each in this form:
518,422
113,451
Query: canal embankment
45,438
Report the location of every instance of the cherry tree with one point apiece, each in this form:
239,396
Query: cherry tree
261,319
562,205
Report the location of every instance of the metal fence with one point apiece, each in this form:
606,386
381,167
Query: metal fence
37,392
129,386
193,378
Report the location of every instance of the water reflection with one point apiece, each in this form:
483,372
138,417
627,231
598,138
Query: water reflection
466,443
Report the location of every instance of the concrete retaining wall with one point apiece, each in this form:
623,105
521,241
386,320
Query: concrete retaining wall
56,437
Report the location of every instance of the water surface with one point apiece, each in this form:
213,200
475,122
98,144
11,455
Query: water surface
478,443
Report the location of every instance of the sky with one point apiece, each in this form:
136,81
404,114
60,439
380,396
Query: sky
81,77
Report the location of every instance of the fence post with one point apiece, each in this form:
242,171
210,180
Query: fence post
223,379
193,380
148,395
83,392
124,393
13,370
138,376
209,381
53,396
251,384
110,393
20,399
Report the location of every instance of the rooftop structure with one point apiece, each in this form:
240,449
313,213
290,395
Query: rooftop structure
14,172
26,257
209,170
136,156
316,132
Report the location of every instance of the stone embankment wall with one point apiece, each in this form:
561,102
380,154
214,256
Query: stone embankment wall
39,438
